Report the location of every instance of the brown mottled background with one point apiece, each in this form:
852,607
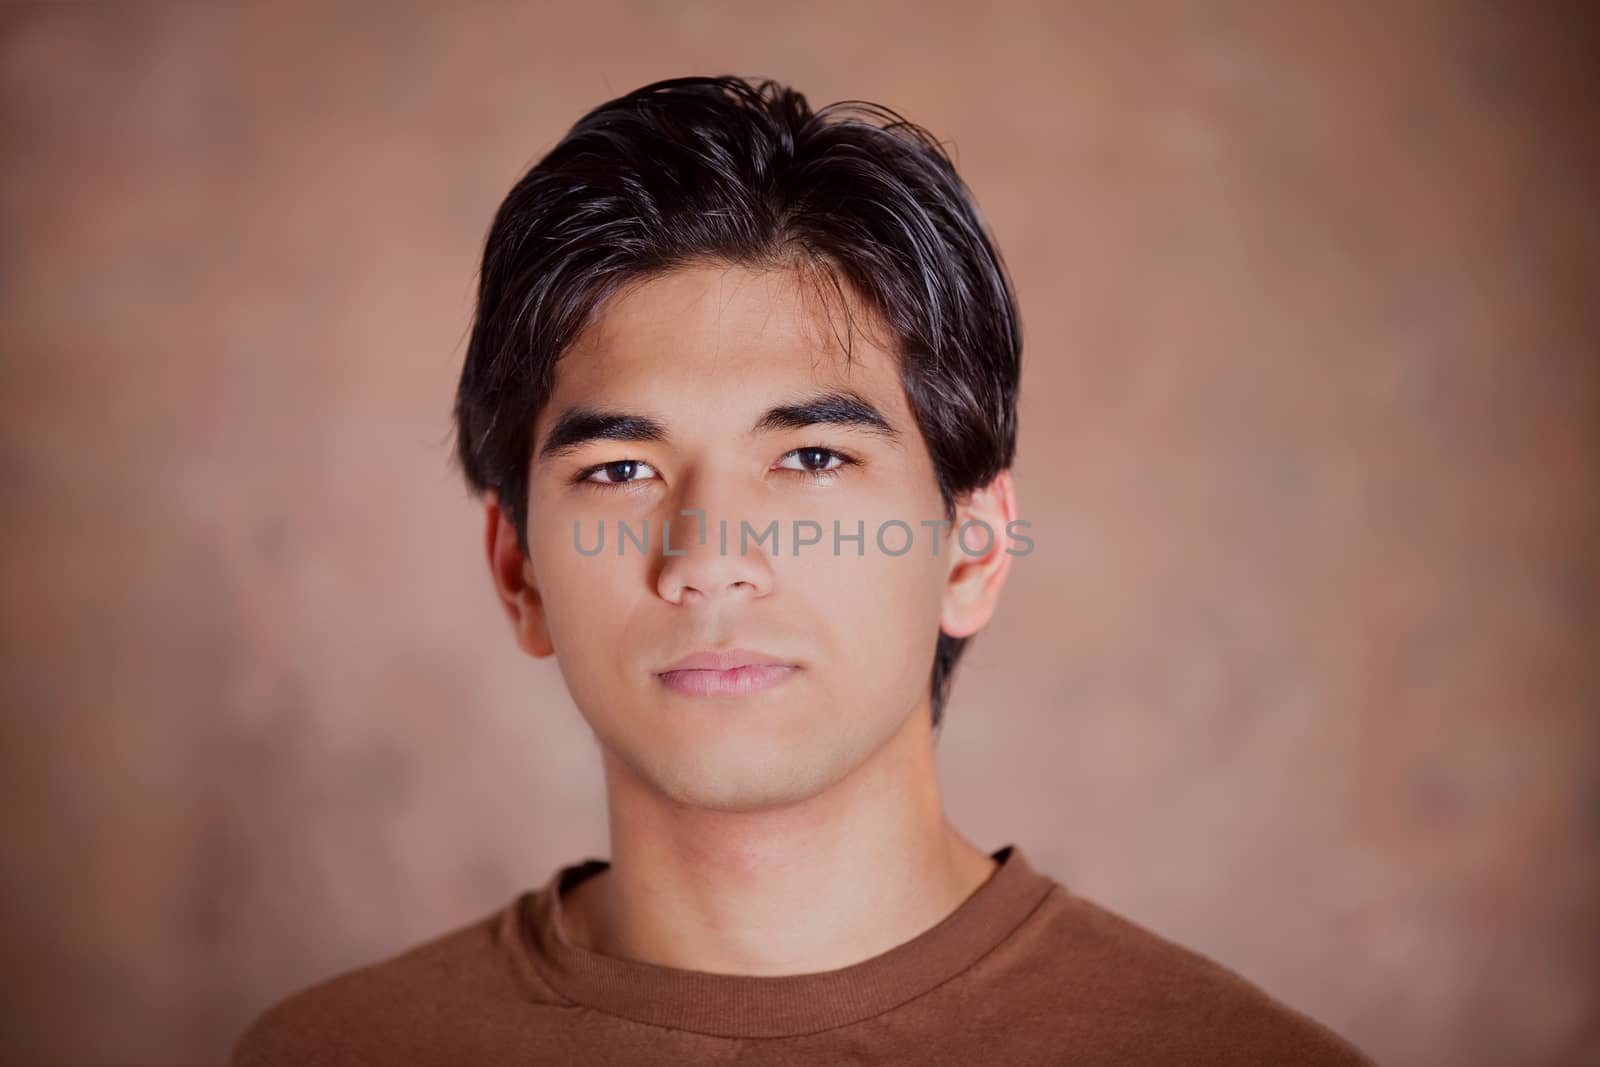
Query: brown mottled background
1303,672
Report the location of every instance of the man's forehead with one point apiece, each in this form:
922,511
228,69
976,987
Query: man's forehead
718,328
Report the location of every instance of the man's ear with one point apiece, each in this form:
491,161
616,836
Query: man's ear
514,580
979,560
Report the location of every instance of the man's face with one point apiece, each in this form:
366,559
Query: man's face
706,352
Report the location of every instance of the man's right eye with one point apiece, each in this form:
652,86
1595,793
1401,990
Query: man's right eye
616,473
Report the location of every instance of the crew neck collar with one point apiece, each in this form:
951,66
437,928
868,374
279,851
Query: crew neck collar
767,1005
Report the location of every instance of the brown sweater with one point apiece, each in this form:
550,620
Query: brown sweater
1023,972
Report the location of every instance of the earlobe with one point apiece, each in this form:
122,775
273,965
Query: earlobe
514,580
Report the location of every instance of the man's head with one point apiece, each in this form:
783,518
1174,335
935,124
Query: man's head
687,253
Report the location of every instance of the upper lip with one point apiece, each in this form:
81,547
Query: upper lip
724,660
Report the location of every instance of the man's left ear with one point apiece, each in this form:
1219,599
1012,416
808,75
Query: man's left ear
979,560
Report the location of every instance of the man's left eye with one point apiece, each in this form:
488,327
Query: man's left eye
817,460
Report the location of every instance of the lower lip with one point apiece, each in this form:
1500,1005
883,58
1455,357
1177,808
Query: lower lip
732,683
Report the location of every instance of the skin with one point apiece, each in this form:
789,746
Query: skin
798,829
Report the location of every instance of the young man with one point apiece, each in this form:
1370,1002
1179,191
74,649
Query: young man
740,401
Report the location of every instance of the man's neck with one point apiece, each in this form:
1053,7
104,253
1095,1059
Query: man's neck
822,884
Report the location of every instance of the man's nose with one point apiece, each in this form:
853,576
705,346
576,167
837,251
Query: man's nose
704,557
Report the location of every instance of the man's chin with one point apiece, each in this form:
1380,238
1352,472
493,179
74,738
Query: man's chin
734,783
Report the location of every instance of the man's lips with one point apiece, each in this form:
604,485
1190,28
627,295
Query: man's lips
717,672
736,681
725,659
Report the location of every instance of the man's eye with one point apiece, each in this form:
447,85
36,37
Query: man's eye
819,462
616,473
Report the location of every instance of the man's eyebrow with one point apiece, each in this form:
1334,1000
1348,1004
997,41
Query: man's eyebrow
578,426
836,408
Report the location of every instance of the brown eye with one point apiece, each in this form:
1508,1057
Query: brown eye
820,463
617,472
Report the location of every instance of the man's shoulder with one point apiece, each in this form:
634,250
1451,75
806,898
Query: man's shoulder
1105,962
386,1004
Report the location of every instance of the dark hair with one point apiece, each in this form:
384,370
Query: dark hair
724,170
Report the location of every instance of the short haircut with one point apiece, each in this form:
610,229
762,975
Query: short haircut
724,170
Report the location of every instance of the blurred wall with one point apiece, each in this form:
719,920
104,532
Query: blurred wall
1303,672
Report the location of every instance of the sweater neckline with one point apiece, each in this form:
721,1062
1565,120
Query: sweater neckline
767,1005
